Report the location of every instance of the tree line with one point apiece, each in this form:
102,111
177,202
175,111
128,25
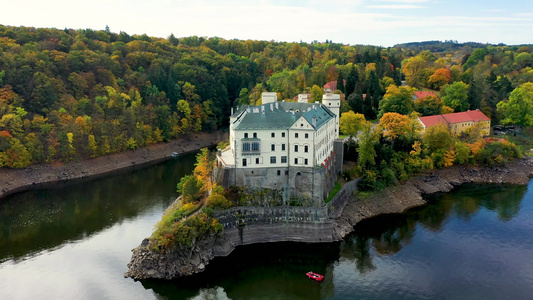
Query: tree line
69,94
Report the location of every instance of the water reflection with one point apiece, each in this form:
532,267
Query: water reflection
265,271
389,234
43,219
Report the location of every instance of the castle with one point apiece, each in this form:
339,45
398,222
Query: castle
292,147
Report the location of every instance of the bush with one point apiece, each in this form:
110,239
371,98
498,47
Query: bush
218,202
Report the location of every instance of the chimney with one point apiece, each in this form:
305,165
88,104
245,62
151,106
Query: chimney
232,110
271,106
277,106
314,121
263,109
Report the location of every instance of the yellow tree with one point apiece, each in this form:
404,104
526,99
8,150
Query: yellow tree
394,125
350,123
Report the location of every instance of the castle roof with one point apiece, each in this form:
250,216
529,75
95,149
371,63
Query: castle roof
281,115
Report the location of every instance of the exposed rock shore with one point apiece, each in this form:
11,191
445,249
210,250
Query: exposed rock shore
37,176
146,263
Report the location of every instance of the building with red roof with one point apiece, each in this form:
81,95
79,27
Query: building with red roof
332,85
422,94
459,122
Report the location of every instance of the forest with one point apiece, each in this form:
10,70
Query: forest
67,95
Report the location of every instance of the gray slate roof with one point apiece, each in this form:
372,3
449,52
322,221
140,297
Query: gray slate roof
281,117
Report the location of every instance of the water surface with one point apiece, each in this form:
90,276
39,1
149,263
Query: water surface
75,242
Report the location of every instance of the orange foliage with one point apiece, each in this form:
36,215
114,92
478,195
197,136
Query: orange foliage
5,133
394,125
441,77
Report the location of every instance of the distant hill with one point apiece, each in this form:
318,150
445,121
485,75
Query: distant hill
439,46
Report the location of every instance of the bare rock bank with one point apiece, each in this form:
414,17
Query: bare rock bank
147,263
38,176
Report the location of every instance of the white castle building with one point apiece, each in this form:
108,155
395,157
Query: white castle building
289,146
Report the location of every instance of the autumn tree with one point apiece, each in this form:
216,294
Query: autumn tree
414,70
441,77
316,93
351,123
394,125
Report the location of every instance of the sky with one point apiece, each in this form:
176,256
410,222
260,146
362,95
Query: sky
369,22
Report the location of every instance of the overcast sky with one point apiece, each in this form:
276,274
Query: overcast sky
372,22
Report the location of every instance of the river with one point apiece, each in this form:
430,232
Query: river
74,243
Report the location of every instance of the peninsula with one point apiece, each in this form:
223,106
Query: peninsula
147,263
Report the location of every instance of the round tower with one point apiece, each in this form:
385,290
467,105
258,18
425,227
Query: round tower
333,102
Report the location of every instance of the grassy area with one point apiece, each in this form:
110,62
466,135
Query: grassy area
334,191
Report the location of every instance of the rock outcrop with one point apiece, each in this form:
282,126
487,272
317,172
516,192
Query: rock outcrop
147,263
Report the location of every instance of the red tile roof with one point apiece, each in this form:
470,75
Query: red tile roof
421,94
477,115
460,117
332,85
433,120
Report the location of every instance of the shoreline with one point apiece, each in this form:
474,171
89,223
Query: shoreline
57,174
146,263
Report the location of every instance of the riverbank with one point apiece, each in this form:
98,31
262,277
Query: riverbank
39,176
147,263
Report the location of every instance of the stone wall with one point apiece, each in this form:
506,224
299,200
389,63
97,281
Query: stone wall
299,183
245,215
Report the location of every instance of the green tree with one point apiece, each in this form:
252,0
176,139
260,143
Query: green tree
367,150
398,100
455,96
519,108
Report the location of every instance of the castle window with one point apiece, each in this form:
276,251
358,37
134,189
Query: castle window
273,147
307,135
246,135
295,148
283,134
306,161
244,162
255,135
286,172
296,135
306,148
296,161
272,159
282,147
284,159
257,160
273,134
279,172
245,147
255,146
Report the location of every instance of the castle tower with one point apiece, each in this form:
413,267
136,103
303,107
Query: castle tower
333,102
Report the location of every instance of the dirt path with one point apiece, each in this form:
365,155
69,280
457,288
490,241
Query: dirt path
37,176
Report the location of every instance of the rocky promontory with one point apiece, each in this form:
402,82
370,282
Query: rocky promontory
314,225
38,176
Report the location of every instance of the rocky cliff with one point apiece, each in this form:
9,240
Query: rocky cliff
146,263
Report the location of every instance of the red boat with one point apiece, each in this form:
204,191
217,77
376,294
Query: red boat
315,276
